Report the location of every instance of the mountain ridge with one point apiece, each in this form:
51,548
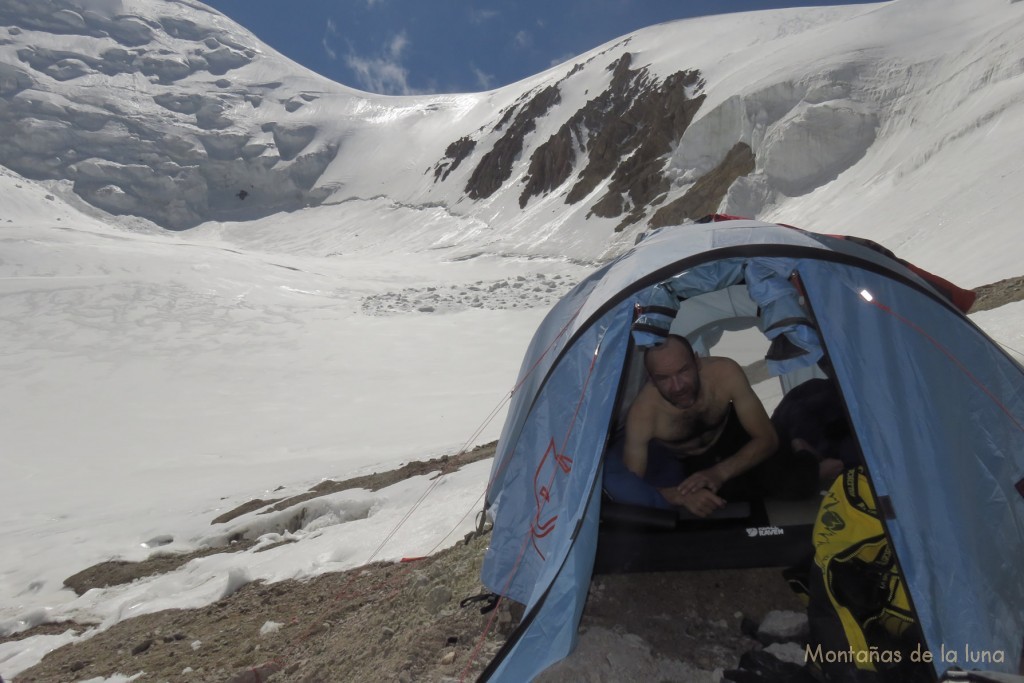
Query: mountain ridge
208,124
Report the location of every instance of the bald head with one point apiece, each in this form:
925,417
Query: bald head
674,344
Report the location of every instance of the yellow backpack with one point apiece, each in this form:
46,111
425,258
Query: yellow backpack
861,576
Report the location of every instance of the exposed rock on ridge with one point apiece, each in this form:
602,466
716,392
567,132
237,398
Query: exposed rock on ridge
454,155
705,196
624,133
635,126
496,165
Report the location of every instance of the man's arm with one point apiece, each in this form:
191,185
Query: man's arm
754,419
639,430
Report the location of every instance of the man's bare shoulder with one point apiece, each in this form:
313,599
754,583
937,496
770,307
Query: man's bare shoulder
646,401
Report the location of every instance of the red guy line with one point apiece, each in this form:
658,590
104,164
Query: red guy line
949,354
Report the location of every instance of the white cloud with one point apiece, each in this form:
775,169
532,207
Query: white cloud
562,59
331,30
397,45
483,79
385,73
379,75
479,16
327,48
522,39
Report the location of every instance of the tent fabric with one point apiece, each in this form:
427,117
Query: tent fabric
767,281
547,490
703,318
555,634
542,552
546,346
939,418
936,407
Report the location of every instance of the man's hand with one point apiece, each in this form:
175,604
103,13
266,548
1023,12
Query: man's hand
709,479
701,502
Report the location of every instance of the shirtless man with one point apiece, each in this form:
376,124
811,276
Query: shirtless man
690,408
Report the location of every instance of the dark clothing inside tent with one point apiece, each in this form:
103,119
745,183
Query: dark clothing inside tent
785,475
813,411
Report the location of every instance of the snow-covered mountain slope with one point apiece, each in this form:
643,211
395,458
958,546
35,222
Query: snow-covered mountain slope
354,278
841,119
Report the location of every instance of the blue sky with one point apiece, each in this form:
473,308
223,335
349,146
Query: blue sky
401,47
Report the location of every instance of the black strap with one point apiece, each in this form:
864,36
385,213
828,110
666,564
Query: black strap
782,348
653,329
490,600
659,310
788,321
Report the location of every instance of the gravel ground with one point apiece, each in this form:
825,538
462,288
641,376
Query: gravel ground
403,622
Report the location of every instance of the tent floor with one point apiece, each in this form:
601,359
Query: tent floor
744,535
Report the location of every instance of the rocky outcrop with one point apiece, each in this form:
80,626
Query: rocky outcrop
454,155
706,195
496,166
625,133
620,137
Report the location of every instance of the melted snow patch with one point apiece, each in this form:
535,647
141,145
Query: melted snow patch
298,521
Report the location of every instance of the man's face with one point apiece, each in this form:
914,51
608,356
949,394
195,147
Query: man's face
675,373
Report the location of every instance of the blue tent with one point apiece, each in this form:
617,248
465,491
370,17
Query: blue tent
937,409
